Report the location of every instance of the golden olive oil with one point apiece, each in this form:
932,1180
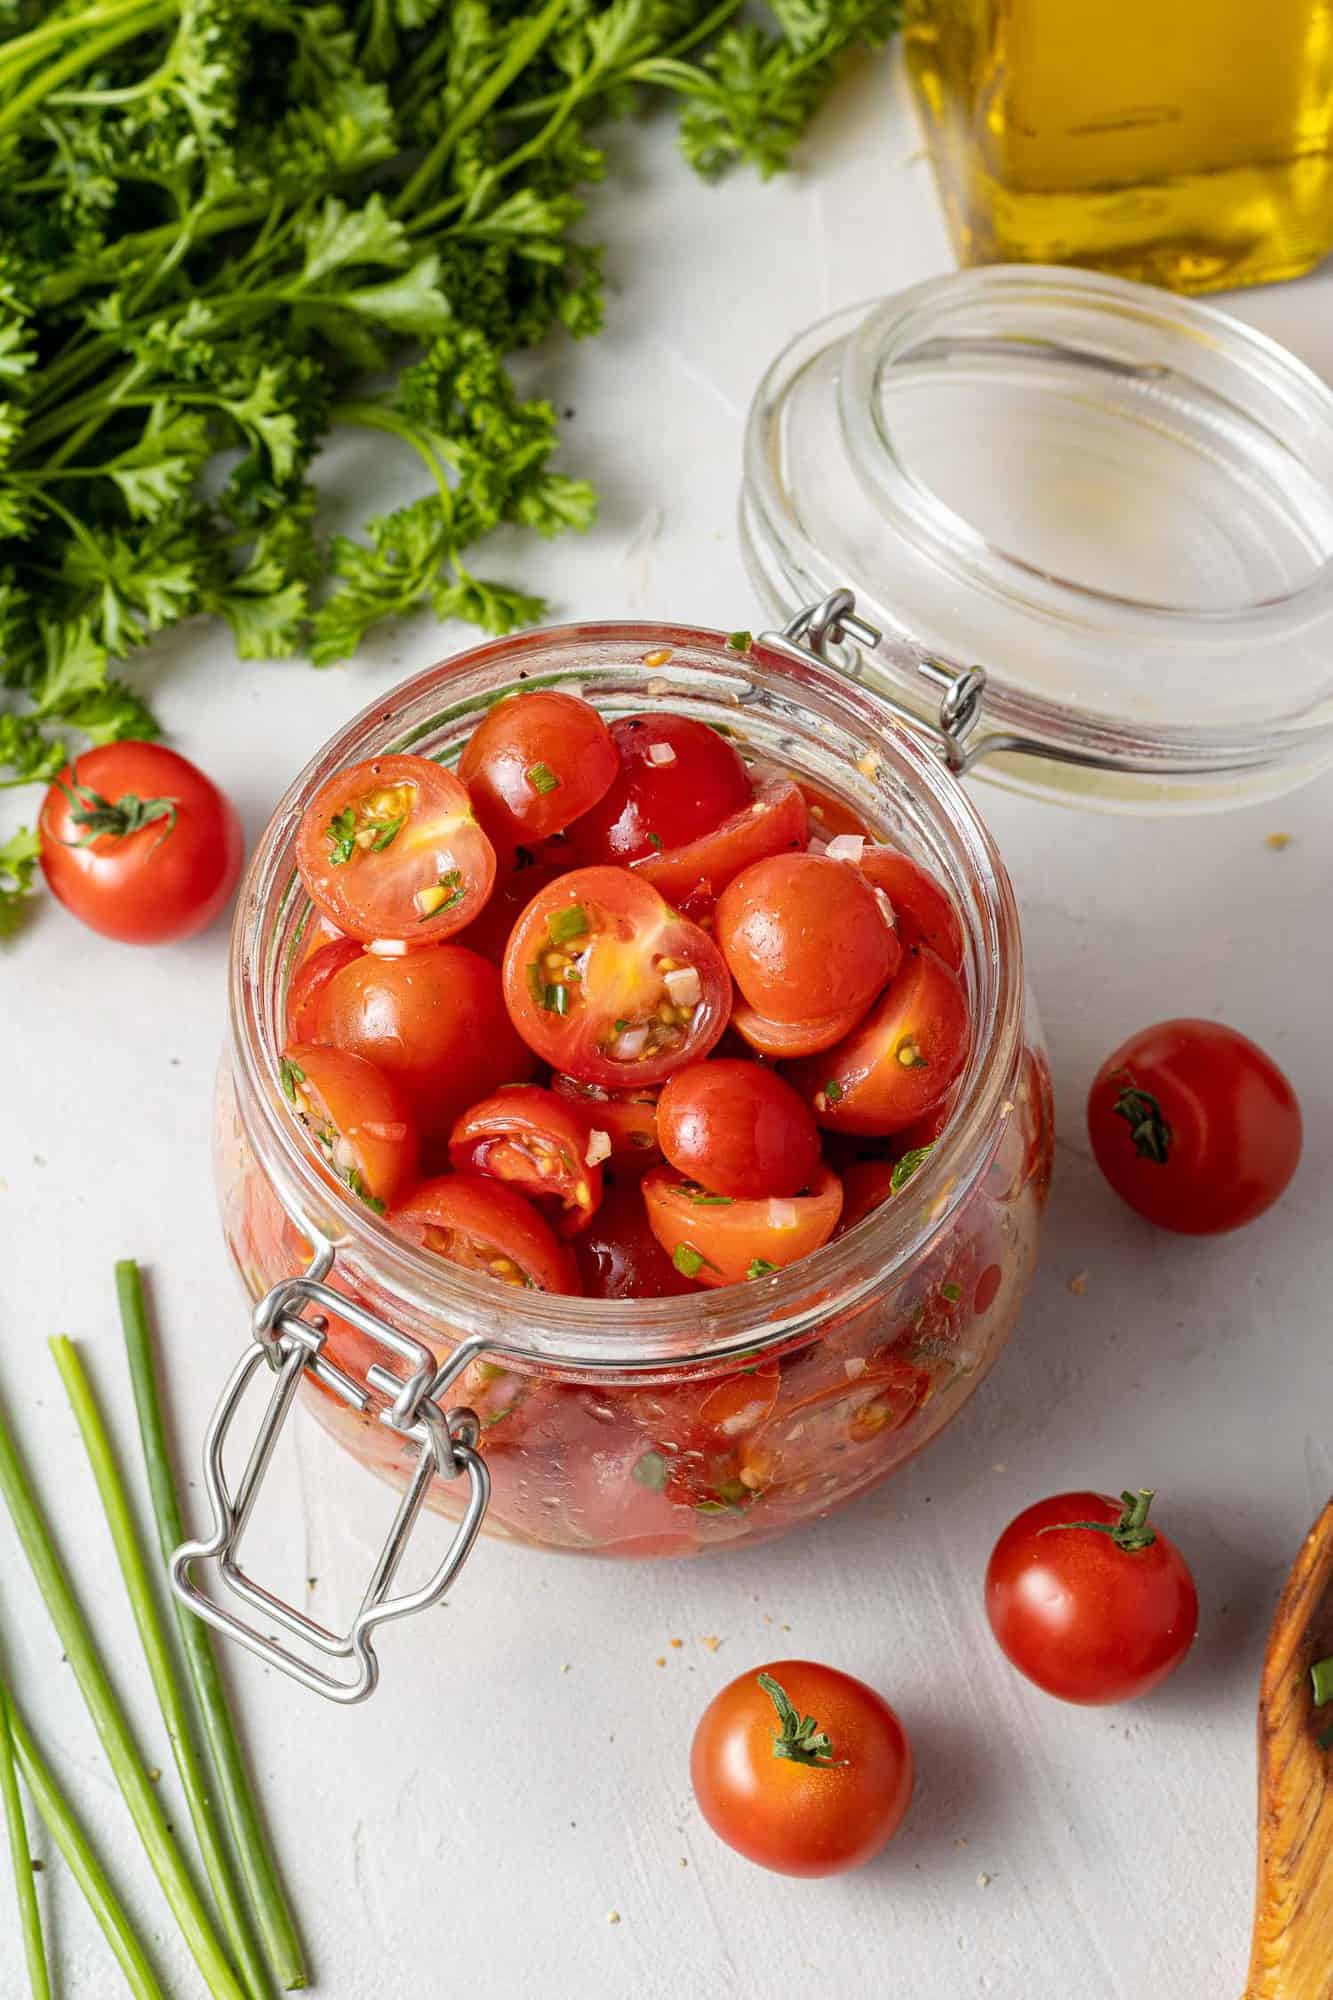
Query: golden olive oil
1182,142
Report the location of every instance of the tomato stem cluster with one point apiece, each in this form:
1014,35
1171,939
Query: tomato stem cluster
800,1738
1131,1532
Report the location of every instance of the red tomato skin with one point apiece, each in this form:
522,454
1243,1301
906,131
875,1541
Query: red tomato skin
305,993
728,1237
514,889
628,1117
371,895
1085,1620
156,885
671,803
436,1020
489,1137
772,822
805,937
737,1129
800,1819
923,1010
543,728
1235,1127
924,911
785,1041
369,1108
618,1255
492,1213
866,1186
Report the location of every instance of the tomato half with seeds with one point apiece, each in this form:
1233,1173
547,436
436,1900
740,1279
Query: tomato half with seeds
607,983
786,1040
773,821
358,1118
1194,1126
435,1020
718,1240
618,1255
737,1129
806,1430
535,762
677,779
391,849
538,1143
923,909
309,981
805,937
628,1118
802,1769
901,1059
483,1226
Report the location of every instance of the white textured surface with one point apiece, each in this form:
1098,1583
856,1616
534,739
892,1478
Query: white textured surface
475,1824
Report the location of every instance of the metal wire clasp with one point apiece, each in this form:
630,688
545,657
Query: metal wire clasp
292,1343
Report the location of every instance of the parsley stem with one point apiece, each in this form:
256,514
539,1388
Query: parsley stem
25,1884
16,53
162,1670
81,1858
379,417
109,1719
250,1842
83,55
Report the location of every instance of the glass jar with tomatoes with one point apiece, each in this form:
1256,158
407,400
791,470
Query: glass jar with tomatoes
684,1078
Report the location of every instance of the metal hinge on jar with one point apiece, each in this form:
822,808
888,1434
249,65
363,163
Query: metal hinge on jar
289,1335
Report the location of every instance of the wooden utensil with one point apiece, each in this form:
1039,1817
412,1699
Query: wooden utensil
1292,1957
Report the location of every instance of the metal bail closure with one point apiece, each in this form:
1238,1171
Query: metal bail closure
291,1343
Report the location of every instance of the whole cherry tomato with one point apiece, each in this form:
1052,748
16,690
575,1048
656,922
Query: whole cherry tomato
1090,1601
805,937
358,1117
535,762
1194,1126
677,779
139,844
484,1226
802,1769
391,849
737,1129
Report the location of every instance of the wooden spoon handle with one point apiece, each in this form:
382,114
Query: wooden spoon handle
1292,1957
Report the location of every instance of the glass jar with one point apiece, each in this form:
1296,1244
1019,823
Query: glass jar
1187,144
667,1426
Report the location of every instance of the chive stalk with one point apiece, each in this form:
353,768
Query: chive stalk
25,1886
81,1859
162,1670
127,1765
259,1870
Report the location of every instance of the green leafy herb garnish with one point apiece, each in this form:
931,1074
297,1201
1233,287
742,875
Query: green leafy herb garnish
650,1471
542,778
701,1197
18,876
388,832
904,1169
655,840
356,1182
951,1292
687,1260
341,832
447,894
1321,1681
832,1090
289,1075
759,1267
740,642
569,923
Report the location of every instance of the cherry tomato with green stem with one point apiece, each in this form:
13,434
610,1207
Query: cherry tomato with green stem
1089,1599
802,1769
138,844
1194,1126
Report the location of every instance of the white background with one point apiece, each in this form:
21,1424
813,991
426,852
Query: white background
472,1827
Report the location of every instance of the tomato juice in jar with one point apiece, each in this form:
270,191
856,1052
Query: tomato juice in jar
668,1426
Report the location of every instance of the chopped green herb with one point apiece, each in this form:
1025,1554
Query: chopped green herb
1321,1679
536,983
620,1027
952,1293
362,1192
454,893
740,642
542,778
687,1260
832,1090
655,840
389,831
760,1268
289,1075
571,922
907,1166
341,831
701,1197
498,1416
650,1471
555,999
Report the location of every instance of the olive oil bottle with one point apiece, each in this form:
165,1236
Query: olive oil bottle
1181,142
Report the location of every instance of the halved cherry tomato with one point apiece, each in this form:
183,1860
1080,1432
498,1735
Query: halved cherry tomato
785,1040
538,1143
901,1059
307,987
772,822
806,1430
484,1226
677,779
319,931
535,762
829,816
866,1186
517,881
608,984
358,1118
720,1241
802,1769
435,1020
628,1117
924,912
391,849
618,1255
737,1129
805,937
740,1403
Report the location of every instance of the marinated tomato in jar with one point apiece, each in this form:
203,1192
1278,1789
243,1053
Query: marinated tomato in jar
592,1018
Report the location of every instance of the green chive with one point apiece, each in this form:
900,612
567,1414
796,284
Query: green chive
536,984
739,642
760,1268
542,778
655,840
650,1471
259,1870
555,999
571,922
341,832
25,1883
128,1767
907,1166
289,1075
702,1199
687,1260
952,1293
832,1090
388,833
1321,1679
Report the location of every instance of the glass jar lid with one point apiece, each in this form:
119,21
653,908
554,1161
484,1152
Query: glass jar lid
1117,503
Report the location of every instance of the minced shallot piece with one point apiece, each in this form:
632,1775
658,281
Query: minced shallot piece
661,753
683,986
599,1148
630,1045
846,847
782,1215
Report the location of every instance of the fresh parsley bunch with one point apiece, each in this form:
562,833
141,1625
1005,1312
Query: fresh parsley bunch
223,221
